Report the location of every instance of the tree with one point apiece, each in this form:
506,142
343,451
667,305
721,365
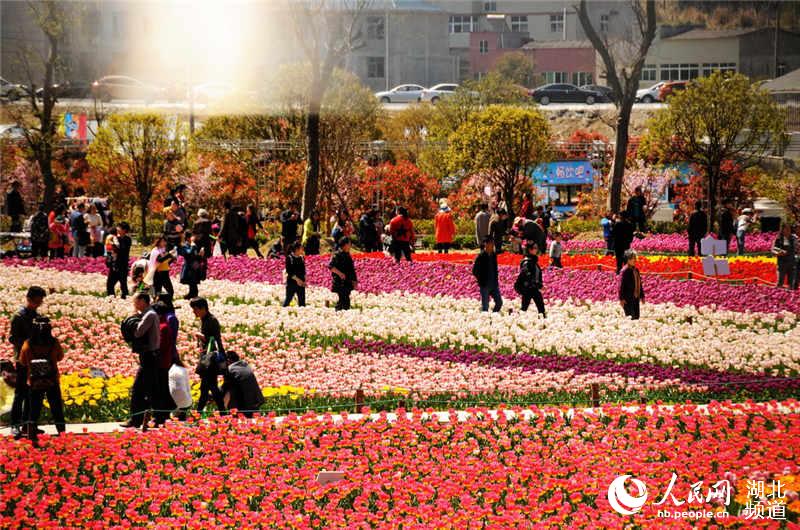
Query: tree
402,183
516,67
502,142
409,129
623,59
716,119
326,31
653,181
495,88
36,119
134,151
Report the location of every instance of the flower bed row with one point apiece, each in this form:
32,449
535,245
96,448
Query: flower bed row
549,470
439,278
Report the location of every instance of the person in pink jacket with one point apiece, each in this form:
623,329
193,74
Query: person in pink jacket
444,227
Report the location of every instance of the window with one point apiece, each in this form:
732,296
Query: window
604,23
581,78
709,68
557,23
648,72
519,23
555,77
375,67
375,28
489,7
462,23
484,47
679,72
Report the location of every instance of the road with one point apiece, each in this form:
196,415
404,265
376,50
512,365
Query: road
201,108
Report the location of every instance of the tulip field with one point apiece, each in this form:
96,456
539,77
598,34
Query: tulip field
416,342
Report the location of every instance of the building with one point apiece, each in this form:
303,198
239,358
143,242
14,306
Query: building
688,53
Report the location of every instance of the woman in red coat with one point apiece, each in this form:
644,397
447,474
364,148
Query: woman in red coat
444,227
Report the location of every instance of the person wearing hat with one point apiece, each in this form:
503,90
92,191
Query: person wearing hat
444,227
21,330
743,224
202,232
59,236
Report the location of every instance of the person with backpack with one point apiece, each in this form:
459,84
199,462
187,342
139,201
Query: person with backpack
529,281
145,340
343,272
40,355
40,233
241,387
21,330
295,275
212,357
484,268
402,231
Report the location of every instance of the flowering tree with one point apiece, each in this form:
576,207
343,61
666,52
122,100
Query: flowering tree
736,184
402,183
654,182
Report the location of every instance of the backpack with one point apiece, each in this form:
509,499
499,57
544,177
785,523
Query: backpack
43,374
212,357
40,231
128,328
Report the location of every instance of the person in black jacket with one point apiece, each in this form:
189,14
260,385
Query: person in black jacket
343,271
631,291
727,224
367,235
529,282
698,228
210,330
295,275
15,206
498,228
635,210
622,233
230,234
241,387
485,271
40,233
21,330
290,219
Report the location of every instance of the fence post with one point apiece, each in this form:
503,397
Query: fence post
359,400
595,392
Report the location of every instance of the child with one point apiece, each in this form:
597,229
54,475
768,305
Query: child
295,275
555,251
194,265
631,291
343,271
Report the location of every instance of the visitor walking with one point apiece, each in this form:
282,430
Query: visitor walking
631,291
40,355
15,207
529,281
59,237
698,228
498,228
785,250
230,235
485,271
173,229
556,251
402,231
253,226
121,254
158,268
727,224
40,233
622,233
743,224
80,231
209,339
94,225
343,273
21,330
163,403
526,210
290,219
312,234
368,236
146,343
636,210
482,219
607,224
444,228
202,232
295,275
195,264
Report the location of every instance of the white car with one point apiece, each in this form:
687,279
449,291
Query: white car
11,91
401,94
649,95
437,92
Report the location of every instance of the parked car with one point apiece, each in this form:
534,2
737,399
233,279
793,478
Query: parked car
11,91
437,92
670,88
11,132
649,95
69,89
401,94
124,87
606,92
564,93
